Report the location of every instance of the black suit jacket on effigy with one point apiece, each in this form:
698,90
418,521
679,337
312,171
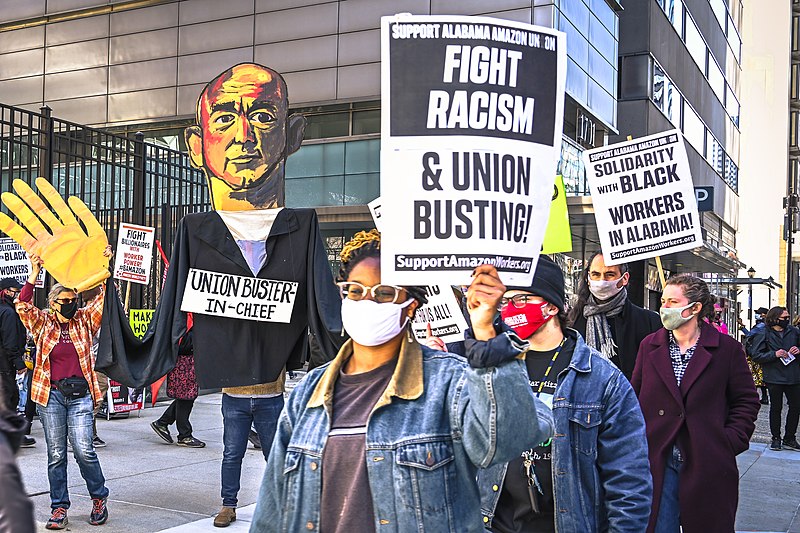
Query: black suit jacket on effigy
230,352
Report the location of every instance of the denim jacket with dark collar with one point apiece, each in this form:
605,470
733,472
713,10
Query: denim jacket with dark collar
436,424
601,473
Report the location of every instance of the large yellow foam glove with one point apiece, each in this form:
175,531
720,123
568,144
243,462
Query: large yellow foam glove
74,258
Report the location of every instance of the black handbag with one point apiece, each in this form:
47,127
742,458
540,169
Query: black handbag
72,388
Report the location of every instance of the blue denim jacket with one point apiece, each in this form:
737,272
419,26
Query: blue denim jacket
601,473
438,421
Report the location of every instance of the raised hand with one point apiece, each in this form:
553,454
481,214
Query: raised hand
75,259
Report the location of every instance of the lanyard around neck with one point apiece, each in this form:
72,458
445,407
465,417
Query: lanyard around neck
550,366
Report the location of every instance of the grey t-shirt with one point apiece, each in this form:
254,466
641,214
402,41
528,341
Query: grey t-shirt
346,504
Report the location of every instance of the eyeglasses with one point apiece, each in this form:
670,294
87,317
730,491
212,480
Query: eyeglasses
383,294
65,301
518,300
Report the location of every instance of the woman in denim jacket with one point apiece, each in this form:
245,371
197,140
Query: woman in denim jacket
389,435
594,475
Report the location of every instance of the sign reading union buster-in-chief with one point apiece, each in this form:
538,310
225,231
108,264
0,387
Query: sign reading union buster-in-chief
472,112
643,198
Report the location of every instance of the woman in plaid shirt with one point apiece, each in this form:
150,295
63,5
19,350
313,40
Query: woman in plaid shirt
65,389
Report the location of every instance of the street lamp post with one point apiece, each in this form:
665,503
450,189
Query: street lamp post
769,291
751,272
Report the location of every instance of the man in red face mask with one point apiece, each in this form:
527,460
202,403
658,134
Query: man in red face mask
599,435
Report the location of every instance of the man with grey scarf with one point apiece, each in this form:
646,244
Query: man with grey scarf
606,318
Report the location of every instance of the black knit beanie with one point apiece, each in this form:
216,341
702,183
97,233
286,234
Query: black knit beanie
548,282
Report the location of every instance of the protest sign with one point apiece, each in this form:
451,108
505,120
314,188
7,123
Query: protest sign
139,320
14,263
212,293
442,311
134,253
643,198
122,399
558,236
472,112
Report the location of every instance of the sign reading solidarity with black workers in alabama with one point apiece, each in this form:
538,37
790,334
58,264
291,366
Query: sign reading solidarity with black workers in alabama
472,113
643,198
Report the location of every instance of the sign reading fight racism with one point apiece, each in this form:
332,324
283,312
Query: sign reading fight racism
264,300
472,113
134,253
14,263
442,311
643,198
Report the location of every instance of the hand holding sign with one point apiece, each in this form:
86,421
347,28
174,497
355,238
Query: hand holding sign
76,259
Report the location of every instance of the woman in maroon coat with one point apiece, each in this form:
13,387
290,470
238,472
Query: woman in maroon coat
700,406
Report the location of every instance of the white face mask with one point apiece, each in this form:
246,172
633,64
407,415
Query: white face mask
603,290
371,324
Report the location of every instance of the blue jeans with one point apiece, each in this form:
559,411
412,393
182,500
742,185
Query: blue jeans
238,414
72,418
669,512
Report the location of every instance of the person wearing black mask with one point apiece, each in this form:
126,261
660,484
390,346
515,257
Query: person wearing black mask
12,342
777,348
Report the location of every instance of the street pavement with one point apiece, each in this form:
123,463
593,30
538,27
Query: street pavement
156,486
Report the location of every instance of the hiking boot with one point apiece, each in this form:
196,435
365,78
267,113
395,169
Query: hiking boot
776,444
254,439
162,431
191,442
791,444
225,517
27,442
99,512
58,520
98,442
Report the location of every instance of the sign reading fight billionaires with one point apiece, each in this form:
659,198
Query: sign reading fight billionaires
472,113
643,198
134,253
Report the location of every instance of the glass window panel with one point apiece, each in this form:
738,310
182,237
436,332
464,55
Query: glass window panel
316,160
793,129
578,14
362,156
674,12
577,82
795,34
735,43
315,192
716,79
601,103
577,45
718,6
731,174
732,105
714,154
602,72
570,166
603,11
693,128
659,80
603,41
360,189
672,103
794,93
544,16
366,122
695,44
327,125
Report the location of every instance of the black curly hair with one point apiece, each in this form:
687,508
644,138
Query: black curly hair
366,244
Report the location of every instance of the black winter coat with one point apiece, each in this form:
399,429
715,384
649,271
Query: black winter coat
12,339
765,344
16,509
629,328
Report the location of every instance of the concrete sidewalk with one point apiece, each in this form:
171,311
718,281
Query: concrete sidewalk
160,487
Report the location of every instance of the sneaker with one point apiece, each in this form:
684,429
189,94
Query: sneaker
254,440
791,444
191,442
776,444
58,520
98,442
225,517
27,442
162,431
99,512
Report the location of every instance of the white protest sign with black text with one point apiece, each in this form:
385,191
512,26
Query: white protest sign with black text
472,112
14,263
228,295
643,198
134,253
442,311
